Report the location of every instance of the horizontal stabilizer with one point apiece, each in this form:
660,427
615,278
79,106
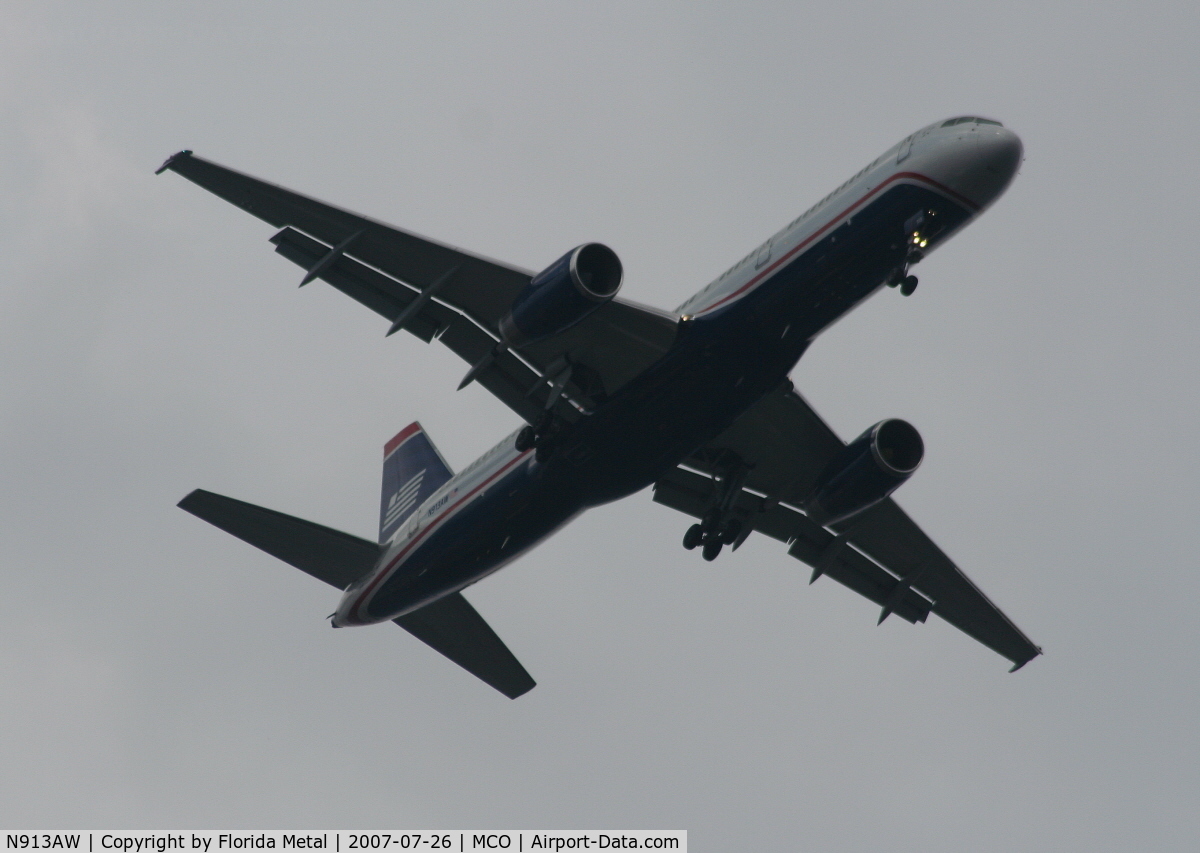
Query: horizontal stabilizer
452,626
449,625
330,555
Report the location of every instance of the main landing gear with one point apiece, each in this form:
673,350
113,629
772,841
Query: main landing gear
711,535
719,526
538,436
541,434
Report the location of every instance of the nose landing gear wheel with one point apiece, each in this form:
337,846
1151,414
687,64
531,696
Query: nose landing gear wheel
908,285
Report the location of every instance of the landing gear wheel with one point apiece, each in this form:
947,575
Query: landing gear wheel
542,453
712,547
525,439
908,285
693,537
729,533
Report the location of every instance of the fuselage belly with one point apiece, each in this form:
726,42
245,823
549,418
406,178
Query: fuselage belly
737,340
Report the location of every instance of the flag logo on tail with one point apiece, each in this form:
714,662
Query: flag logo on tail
404,500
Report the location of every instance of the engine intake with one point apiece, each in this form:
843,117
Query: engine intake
563,294
865,472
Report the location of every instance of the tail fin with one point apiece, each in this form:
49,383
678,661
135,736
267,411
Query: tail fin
412,471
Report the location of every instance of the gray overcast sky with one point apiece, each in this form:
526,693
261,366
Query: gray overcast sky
158,673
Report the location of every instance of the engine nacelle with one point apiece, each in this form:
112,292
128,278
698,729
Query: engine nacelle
563,294
865,472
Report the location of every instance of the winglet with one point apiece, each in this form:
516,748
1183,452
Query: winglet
172,160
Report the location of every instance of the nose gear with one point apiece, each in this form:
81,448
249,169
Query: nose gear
919,229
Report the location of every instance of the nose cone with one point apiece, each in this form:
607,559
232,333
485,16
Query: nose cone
976,161
1000,151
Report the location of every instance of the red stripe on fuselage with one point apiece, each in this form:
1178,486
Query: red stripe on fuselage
808,241
387,570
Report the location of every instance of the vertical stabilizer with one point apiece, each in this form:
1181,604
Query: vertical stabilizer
412,471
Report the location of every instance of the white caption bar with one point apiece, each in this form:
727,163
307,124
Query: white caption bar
448,840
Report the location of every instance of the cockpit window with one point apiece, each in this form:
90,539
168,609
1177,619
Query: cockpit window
965,119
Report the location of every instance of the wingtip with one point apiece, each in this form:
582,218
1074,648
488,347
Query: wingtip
1017,666
189,499
518,692
172,160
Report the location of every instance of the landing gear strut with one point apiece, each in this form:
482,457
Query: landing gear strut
540,435
537,436
919,229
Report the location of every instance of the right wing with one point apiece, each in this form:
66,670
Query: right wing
455,296
449,625
881,553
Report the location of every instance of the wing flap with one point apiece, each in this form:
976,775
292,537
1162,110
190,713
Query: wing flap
693,494
454,628
784,440
382,294
507,377
337,558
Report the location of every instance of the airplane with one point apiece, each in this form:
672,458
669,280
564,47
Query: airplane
616,396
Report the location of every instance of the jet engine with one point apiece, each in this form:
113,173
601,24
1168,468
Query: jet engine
865,472
563,294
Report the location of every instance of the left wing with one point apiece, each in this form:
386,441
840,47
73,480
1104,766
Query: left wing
437,291
881,553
